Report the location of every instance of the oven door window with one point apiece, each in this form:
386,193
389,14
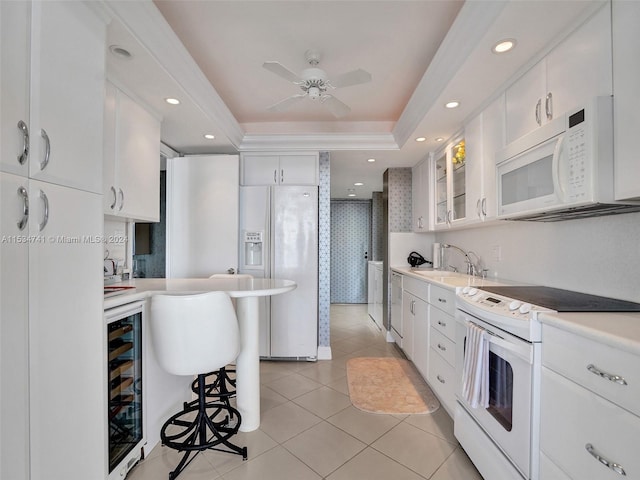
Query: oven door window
501,391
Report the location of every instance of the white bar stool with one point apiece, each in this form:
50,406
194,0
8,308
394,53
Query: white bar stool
193,335
220,384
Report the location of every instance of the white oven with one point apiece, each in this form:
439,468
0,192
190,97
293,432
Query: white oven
509,426
507,420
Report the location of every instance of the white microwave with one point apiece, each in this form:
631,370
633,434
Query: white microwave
563,169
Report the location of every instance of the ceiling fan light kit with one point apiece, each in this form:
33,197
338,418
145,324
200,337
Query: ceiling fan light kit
314,83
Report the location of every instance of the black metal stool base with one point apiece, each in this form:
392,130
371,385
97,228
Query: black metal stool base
218,384
205,431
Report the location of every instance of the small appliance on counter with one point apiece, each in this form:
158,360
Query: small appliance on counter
415,260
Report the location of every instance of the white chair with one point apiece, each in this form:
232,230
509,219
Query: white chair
221,384
192,335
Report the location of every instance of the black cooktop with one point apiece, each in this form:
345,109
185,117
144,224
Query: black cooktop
564,300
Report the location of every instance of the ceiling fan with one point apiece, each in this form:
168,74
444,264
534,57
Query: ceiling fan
314,83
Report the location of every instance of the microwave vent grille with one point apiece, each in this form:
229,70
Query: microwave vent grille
587,211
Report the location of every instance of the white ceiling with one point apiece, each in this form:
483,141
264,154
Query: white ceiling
209,54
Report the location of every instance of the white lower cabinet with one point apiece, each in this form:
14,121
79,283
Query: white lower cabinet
590,421
414,312
441,378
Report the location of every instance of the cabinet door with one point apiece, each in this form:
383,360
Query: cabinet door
67,94
299,169
492,140
109,189
523,98
420,196
580,67
440,189
67,364
408,319
14,328
137,161
458,169
626,101
14,86
260,169
474,164
421,338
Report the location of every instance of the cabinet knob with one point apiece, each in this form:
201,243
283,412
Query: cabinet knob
608,376
548,106
25,142
440,379
47,149
538,112
25,207
604,461
45,217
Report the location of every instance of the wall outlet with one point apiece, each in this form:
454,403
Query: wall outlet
496,253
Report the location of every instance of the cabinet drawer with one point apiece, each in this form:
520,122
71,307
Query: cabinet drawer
443,298
571,355
572,418
443,322
416,287
445,347
441,378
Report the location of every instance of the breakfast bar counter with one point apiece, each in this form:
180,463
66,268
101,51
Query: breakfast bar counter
246,291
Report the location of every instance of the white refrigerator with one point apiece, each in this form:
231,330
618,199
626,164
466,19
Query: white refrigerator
279,239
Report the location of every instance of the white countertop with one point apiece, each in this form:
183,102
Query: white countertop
235,287
618,330
446,278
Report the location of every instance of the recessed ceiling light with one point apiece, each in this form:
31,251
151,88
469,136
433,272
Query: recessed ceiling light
172,101
421,139
439,139
503,46
358,184
371,160
351,195
208,136
453,104
120,52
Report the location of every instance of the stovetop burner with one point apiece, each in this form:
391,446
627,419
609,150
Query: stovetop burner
564,300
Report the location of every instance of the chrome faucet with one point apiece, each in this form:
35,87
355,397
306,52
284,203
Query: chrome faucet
471,267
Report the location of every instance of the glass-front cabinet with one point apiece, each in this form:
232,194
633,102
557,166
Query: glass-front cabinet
450,187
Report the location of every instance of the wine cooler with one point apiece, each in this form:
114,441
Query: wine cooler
124,387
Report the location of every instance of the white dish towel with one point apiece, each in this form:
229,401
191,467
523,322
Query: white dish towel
475,373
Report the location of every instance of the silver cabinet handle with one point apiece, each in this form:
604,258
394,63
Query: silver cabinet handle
282,175
548,106
442,347
607,463
25,208
275,176
440,379
25,142
45,217
115,198
442,300
538,109
442,324
121,199
478,211
612,378
47,149
484,207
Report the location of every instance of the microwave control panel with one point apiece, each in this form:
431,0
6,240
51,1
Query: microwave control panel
577,151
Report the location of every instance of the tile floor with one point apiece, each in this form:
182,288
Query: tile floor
309,429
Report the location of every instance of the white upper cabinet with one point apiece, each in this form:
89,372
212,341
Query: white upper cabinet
484,135
420,196
576,70
67,94
280,169
449,184
626,100
131,176
14,86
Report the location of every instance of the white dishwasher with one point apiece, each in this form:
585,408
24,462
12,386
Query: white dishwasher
396,308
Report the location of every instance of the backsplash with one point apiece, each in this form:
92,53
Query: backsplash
116,236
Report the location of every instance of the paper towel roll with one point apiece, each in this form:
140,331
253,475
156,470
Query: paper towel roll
436,255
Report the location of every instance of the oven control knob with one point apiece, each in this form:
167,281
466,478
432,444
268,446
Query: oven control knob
514,305
465,290
525,308
473,292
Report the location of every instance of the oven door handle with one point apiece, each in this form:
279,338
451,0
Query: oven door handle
521,349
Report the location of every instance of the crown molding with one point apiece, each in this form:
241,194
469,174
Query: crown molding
471,24
145,22
368,141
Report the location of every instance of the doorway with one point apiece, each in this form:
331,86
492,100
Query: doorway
350,250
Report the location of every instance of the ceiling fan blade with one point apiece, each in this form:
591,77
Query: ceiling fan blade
281,71
351,78
335,106
286,103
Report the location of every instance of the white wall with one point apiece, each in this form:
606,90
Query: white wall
600,256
